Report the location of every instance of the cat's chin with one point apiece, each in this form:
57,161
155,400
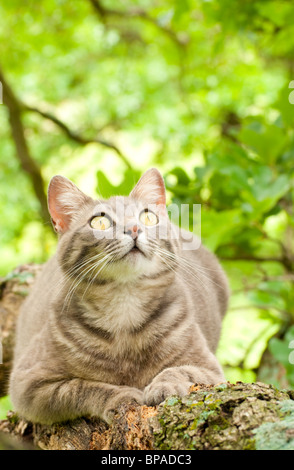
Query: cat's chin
130,267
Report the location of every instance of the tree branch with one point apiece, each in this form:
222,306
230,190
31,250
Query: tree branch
258,259
224,417
286,314
28,164
137,13
75,136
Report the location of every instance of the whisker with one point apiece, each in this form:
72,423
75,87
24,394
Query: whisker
191,267
81,276
189,273
94,277
186,267
194,265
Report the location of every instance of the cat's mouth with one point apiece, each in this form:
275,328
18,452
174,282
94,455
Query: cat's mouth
135,250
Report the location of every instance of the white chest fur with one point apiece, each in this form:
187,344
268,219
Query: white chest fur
117,310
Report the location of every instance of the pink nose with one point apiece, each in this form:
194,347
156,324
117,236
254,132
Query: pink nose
133,231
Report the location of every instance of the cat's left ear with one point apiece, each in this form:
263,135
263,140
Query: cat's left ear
64,202
151,189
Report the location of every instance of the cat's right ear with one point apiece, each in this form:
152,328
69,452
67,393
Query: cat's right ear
64,201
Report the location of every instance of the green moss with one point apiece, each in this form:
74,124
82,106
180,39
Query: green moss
5,406
223,417
250,444
22,276
13,417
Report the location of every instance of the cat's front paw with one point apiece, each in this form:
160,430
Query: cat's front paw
126,396
157,391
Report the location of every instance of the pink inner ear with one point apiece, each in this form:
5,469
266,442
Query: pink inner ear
161,201
60,216
59,224
151,189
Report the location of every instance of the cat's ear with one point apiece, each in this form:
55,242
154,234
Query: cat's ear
64,201
150,188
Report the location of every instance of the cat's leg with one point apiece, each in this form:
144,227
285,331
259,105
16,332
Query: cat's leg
177,381
49,398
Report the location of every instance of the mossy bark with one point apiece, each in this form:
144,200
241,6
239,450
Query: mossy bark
224,417
227,416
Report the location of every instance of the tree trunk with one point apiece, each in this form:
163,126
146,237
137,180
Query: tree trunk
225,416
28,164
13,290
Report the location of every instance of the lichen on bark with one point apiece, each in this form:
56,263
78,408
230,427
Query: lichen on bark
278,435
222,417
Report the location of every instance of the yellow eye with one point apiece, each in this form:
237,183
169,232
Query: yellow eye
148,218
100,222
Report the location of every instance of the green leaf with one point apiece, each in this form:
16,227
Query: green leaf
268,141
285,107
266,299
182,177
226,223
106,189
289,336
5,406
280,350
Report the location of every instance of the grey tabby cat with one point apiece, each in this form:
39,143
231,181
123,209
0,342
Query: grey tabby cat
120,313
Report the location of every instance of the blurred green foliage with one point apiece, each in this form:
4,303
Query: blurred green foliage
200,89
5,405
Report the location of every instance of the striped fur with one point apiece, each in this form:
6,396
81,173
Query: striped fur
105,325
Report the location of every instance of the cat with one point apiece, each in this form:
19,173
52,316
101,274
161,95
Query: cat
119,314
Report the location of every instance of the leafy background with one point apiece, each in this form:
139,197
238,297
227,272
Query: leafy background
99,91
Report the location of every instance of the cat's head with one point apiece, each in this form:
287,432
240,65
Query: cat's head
122,238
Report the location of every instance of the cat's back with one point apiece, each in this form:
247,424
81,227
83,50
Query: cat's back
203,268
206,285
33,315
